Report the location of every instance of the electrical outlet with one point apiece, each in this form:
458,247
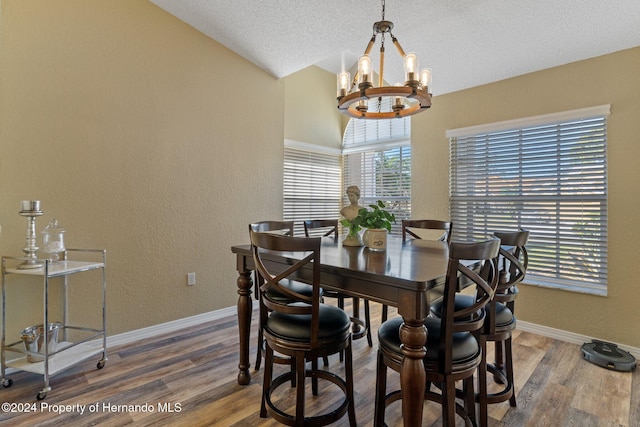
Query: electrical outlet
191,279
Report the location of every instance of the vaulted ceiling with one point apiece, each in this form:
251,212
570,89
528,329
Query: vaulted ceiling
465,42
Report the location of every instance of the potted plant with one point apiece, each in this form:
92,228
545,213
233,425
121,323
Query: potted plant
377,222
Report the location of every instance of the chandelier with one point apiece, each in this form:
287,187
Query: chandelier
360,99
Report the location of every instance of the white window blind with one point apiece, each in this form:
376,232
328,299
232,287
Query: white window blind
546,174
311,184
377,158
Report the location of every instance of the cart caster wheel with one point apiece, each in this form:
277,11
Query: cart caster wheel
7,382
101,364
41,395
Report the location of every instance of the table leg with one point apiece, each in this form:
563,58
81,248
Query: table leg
413,335
245,307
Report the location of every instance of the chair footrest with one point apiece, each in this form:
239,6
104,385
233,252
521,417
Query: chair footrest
500,378
317,420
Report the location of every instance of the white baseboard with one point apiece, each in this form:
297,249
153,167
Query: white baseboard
174,325
569,337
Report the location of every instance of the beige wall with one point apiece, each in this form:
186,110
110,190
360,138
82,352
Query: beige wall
141,136
611,79
317,121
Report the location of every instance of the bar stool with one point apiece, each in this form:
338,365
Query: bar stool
454,343
301,328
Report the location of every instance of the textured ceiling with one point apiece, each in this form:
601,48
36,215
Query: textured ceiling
465,42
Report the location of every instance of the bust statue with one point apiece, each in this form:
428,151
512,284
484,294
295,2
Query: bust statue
350,212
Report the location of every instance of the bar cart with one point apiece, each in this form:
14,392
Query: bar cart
66,352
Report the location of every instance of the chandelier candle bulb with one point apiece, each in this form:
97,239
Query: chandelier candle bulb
425,79
410,67
344,79
364,71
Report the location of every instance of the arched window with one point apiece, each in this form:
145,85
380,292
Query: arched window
377,158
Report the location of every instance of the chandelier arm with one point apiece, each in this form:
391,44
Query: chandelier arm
396,43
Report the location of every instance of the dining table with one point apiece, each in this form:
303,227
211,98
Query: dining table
407,275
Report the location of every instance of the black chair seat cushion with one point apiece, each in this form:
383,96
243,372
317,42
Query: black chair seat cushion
465,346
504,316
334,323
295,286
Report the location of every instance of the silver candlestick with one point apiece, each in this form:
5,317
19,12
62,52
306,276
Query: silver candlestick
31,210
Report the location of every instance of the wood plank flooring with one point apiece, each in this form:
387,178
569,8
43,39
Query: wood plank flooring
189,378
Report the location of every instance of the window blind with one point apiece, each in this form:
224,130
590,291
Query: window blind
311,184
549,178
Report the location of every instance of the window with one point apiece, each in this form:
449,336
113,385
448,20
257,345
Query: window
547,174
311,183
377,158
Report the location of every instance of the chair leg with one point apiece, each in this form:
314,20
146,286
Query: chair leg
509,367
499,359
367,322
449,402
348,370
259,350
381,391
300,374
314,376
482,385
266,385
383,317
469,398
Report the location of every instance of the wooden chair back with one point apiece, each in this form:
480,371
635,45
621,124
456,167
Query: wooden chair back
324,227
426,224
474,262
305,266
513,261
277,227
512,268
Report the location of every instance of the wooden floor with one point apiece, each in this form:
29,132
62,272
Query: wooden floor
188,378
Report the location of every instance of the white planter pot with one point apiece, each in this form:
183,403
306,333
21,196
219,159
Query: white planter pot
375,239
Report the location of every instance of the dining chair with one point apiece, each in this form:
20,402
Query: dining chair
454,343
301,327
501,319
500,322
360,328
277,227
410,230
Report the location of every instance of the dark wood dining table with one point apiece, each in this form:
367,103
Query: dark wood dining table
407,276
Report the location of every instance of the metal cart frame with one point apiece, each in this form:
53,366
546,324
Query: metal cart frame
68,353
